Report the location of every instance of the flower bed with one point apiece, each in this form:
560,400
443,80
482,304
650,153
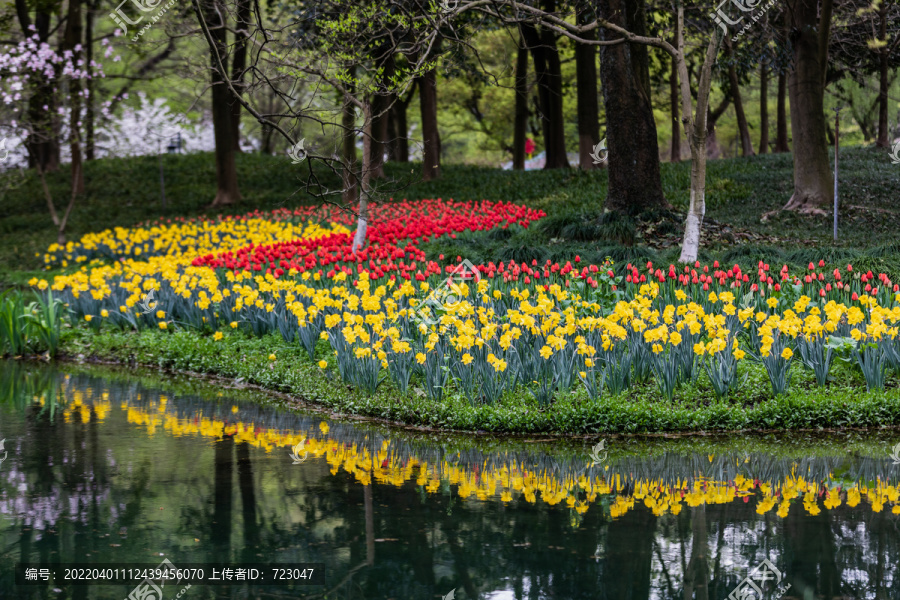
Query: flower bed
388,313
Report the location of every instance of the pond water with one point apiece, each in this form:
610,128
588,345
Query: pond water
110,466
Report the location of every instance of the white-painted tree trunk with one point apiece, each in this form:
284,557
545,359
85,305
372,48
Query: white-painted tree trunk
697,210
359,239
695,129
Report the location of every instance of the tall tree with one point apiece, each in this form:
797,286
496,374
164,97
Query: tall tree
431,137
586,81
810,25
211,16
520,125
883,54
238,66
380,100
763,108
89,117
675,155
398,127
735,86
712,117
781,135
863,46
548,71
634,175
72,42
42,123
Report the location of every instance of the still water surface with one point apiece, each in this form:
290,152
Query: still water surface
111,466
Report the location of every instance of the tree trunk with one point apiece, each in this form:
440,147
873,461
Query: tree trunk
712,117
743,129
548,70
380,104
377,135
763,109
73,39
812,171
223,491
520,125
226,172
89,151
883,86
398,142
267,133
781,136
712,140
238,65
696,576
634,179
673,109
348,152
43,135
359,239
392,137
695,129
586,81
431,141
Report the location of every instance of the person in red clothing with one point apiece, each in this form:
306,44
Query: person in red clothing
529,147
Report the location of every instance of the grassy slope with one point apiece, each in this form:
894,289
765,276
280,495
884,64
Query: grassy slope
126,191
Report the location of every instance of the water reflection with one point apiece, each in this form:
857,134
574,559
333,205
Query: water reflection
109,467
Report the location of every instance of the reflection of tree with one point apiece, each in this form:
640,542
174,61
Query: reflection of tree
428,542
810,554
696,575
247,486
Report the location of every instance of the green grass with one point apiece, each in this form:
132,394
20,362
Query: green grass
841,404
126,191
